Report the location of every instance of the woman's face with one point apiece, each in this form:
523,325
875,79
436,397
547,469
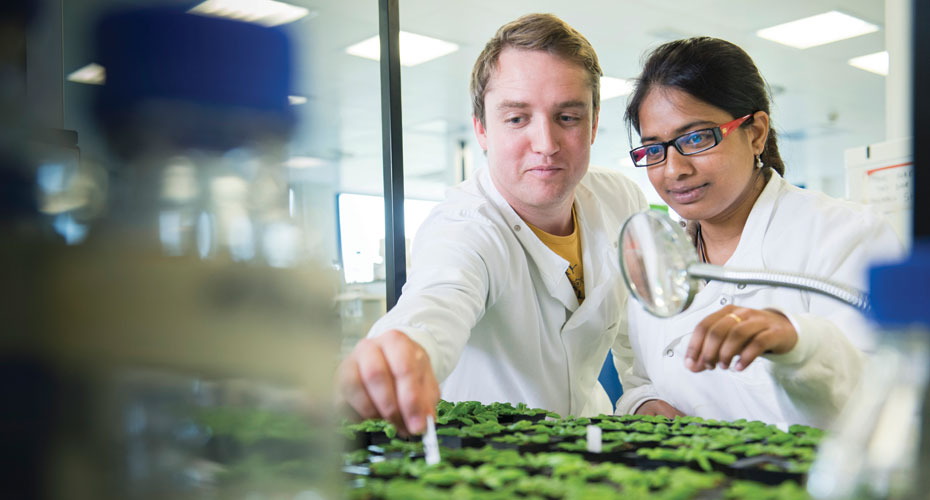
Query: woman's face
713,185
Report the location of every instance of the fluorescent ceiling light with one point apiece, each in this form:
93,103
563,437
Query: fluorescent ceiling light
304,162
414,49
263,12
614,87
876,63
92,74
817,30
296,100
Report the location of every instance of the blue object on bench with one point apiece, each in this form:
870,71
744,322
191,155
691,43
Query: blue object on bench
610,380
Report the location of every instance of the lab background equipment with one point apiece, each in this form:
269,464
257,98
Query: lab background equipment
182,347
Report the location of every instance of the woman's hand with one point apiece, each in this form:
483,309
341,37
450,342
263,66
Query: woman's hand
658,407
739,331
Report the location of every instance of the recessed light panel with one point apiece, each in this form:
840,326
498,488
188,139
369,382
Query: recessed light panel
614,87
299,162
414,49
92,74
817,30
263,12
876,63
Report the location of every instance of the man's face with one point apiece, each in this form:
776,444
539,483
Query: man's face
538,130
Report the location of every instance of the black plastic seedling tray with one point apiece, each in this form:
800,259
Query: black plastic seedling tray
703,448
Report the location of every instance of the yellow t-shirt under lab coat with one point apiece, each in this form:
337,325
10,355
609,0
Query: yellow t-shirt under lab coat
569,248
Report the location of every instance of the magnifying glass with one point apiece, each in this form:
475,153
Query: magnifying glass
661,269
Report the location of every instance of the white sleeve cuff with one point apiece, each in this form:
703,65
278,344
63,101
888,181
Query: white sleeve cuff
632,399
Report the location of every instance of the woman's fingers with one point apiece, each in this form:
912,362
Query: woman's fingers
740,336
741,331
708,336
761,343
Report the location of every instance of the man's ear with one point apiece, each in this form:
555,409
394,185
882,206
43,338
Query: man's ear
759,131
480,133
594,126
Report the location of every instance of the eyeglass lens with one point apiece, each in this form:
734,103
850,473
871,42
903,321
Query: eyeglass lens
688,144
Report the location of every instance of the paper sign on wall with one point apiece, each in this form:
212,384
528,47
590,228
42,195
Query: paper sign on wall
882,175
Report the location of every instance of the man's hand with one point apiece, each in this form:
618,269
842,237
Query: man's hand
390,376
738,330
658,407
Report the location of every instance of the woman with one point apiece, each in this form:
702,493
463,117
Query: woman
761,353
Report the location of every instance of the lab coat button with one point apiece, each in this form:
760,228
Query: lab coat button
741,286
516,227
670,353
723,301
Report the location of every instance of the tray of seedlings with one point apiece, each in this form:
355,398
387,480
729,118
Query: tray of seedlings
506,451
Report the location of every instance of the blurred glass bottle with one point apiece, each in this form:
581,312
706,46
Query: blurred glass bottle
880,445
191,337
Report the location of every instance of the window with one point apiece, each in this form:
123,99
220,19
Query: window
361,233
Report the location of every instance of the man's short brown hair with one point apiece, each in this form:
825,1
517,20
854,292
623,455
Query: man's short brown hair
535,32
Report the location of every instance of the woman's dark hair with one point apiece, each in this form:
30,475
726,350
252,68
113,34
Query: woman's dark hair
714,71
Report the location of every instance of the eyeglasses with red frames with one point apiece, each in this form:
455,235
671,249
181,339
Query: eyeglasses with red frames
688,144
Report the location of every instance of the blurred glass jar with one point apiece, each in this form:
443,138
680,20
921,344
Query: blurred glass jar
189,339
880,445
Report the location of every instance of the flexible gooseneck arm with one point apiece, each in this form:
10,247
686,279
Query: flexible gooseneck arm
838,291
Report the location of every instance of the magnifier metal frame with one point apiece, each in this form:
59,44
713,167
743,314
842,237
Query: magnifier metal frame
693,270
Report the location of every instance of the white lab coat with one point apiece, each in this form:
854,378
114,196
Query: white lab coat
789,229
491,304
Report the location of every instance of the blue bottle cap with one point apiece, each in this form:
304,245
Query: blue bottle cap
207,81
900,293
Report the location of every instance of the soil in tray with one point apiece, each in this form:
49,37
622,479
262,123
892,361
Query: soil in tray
379,438
525,447
509,419
770,477
616,457
462,442
360,440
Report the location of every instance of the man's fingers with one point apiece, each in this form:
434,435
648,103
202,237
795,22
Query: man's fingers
390,376
417,389
352,392
378,381
417,400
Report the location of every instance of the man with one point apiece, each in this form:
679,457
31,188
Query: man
514,293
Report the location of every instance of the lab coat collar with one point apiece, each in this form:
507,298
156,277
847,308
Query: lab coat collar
599,250
551,267
748,252
749,249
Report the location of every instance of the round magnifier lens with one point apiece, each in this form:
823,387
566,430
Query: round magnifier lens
654,256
